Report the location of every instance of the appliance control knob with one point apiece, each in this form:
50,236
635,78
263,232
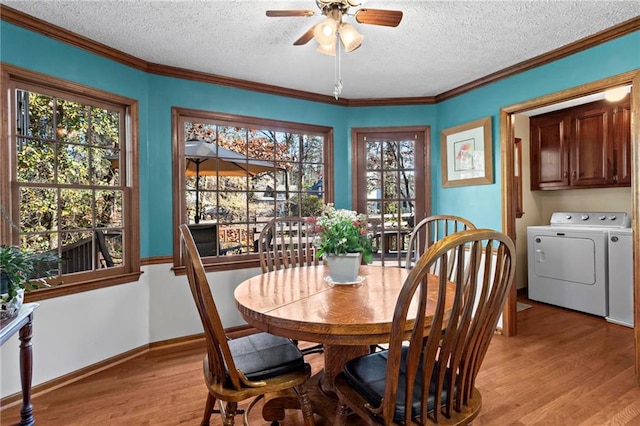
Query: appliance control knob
612,217
568,217
584,217
602,217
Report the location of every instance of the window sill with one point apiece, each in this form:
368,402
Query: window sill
79,287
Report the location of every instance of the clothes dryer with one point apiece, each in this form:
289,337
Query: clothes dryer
568,260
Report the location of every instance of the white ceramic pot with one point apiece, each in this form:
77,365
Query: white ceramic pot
343,268
10,307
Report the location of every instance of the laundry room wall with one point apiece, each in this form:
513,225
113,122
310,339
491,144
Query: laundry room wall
604,199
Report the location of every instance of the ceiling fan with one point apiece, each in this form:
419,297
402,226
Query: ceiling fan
327,32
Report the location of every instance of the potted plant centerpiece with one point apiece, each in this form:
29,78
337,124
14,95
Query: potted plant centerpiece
341,239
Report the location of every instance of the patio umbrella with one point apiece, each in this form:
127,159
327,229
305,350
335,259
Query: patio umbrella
208,159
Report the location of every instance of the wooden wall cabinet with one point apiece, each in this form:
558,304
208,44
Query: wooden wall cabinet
622,143
587,146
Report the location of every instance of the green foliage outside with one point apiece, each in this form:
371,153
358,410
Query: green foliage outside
67,168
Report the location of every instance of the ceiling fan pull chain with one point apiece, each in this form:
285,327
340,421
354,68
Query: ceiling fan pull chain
337,90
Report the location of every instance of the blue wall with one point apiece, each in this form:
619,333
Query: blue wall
156,95
481,204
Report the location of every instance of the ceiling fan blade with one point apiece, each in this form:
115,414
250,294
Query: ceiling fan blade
387,18
285,13
304,38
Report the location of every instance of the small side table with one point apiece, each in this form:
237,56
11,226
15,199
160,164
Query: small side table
22,323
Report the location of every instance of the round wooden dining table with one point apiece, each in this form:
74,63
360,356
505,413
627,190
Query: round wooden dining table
303,304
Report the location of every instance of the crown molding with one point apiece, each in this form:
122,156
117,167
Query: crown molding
564,51
36,25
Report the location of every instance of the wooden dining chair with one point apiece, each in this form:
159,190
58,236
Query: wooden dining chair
431,229
429,378
247,367
287,242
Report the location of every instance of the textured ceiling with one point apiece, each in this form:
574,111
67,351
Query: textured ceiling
438,46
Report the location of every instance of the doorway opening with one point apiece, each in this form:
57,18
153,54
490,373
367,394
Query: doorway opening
509,206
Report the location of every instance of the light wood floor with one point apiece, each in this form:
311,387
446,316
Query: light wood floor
564,368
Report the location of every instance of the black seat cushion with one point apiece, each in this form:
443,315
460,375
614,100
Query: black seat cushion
367,375
263,355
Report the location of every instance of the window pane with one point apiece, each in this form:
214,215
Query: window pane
73,163
38,209
105,128
77,252
372,150
313,149
407,154
76,209
390,189
105,166
109,208
201,131
390,155
36,161
233,139
407,184
72,121
108,248
374,182
36,114
39,243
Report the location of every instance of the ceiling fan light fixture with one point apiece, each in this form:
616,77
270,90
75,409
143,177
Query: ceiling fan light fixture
325,32
351,39
327,49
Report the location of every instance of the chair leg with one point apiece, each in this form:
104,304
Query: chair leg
341,415
208,409
229,414
305,404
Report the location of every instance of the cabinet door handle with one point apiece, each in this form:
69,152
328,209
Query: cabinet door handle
565,174
573,174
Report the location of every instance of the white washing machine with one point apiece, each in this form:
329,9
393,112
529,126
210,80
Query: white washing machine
568,260
621,277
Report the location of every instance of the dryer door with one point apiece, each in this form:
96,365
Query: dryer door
565,258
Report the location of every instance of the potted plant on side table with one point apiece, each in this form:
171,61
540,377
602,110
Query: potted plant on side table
22,271
341,239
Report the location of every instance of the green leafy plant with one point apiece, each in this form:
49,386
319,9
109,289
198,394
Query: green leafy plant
341,231
20,269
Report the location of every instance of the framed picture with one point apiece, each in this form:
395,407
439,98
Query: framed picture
466,154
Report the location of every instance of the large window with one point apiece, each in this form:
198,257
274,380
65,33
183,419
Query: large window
236,173
70,190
